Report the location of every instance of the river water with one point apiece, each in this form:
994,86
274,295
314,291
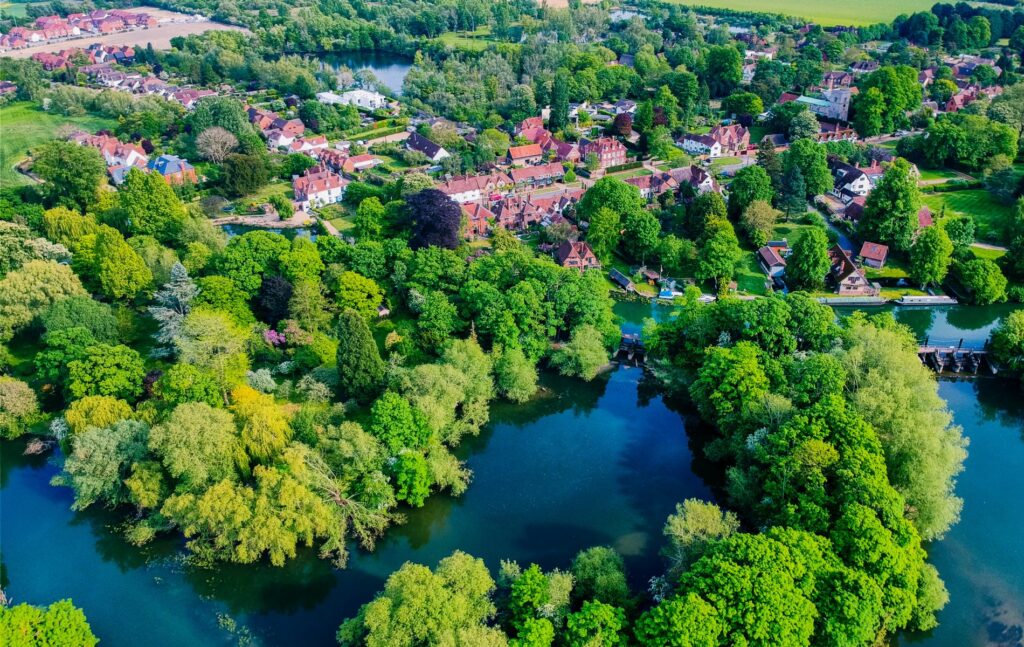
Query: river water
390,69
585,464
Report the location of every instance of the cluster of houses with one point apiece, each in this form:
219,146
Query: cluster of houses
105,75
93,54
607,151
121,158
284,134
364,99
845,275
97,22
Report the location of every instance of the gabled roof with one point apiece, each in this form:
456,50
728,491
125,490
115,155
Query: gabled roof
770,257
418,142
874,251
523,152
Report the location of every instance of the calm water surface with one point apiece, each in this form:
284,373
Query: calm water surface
587,464
389,68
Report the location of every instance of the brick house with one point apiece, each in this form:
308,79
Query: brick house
576,255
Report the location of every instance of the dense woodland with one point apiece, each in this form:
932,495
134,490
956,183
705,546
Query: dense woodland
247,394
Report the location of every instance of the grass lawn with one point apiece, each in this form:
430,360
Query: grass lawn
635,172
338,216
989,216
937,174
719,162
15,9
263,195
750,278
984,252
469,40
791,230
894,269
23,126
757,133
823,12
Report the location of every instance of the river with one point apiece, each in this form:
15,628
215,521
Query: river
586,464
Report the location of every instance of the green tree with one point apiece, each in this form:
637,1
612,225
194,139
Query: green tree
810,158
360,368
1008,342
560,100
264,429
604,232
641,231
743,103
804,125
758,221
397,424
793,199
212,342
150,206
960,230
437,321
369,219
71,174
718,252
724,70
869,112
983,280
58,625
27,292
107,260
107,370
95,411
423,607
694,527
751,183
583,355
515,375
19,407
890,214
356,292
808,264
100,460
930,256
198,445
183,383
244,174
600,576
681,621
81,312
412,478
302,261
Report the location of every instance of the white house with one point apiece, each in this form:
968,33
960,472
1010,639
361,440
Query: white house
318,187
850,181
701,145
364,99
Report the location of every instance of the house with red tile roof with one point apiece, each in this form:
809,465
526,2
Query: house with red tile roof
477,188
317,187
609,151
478,219
537,175
873,254
576,255
527,154
848,279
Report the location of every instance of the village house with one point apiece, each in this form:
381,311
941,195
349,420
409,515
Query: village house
365,99
651,186
721,141
528,154
317,187
477,188
864,67
848,279
832,80
849,180
696,177
6,87
174,169
540,175
478,219
610,152
576,255
434,152
771,261
308,145
873,254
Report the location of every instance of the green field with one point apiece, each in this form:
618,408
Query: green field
989,216
23,126
823,12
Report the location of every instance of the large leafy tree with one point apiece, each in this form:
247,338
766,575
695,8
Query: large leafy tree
983,280
27,292
1008,341
931,256
811,158
718,252
640,233
604,232
198,445
263,426
356,292
724,70
81,312
101,459
583,355
71,173
214,343
360,367
150,206
808,264
751,183
436,220
57,625
890,214
107,370
250,257
419,606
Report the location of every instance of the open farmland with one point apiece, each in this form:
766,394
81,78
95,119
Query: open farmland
824,12
172,24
